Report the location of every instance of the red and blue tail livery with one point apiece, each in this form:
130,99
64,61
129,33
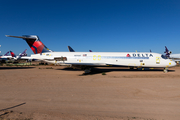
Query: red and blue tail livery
34,43
12,54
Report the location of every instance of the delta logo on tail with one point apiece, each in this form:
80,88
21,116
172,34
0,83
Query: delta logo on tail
12,54
34,43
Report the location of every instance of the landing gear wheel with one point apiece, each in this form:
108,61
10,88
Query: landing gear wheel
131,68
87,70
165,70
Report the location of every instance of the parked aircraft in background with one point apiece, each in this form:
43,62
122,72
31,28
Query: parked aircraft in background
12,54
12,57
167,52
175,57
72,50
5,57
23,53
20,55
87,60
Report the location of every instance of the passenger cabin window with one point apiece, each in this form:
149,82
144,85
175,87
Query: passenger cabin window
164,57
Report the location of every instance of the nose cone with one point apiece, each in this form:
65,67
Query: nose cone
172,63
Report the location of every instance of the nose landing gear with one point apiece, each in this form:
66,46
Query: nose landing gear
165,70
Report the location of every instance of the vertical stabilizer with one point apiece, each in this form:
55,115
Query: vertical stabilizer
6,54
12,54
167,52
23,53
34,43
70,49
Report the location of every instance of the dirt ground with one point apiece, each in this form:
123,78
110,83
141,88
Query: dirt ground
59,93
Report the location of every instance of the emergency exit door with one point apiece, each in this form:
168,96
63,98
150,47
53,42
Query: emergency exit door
157,60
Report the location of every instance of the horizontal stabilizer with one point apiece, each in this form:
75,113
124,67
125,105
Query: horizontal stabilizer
24,37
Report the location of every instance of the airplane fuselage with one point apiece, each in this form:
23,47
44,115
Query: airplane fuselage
131,59
88,59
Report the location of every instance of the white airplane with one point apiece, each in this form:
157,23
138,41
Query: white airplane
20,55
13,57
87,60
175,56
5,57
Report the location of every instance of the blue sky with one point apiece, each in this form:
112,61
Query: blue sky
99,25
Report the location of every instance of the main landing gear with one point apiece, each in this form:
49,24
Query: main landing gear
87,70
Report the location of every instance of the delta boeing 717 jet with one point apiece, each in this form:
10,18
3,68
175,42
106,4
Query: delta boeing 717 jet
87,60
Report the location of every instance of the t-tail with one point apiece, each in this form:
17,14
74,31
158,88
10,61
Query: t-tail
167,52
7,54
34,43
12,54
23,53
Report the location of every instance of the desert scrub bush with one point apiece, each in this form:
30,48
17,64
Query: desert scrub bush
49,68
103,73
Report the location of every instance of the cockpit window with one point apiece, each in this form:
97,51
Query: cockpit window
164,57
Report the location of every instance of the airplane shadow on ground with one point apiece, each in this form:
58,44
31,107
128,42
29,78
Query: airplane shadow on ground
105,70
7,68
